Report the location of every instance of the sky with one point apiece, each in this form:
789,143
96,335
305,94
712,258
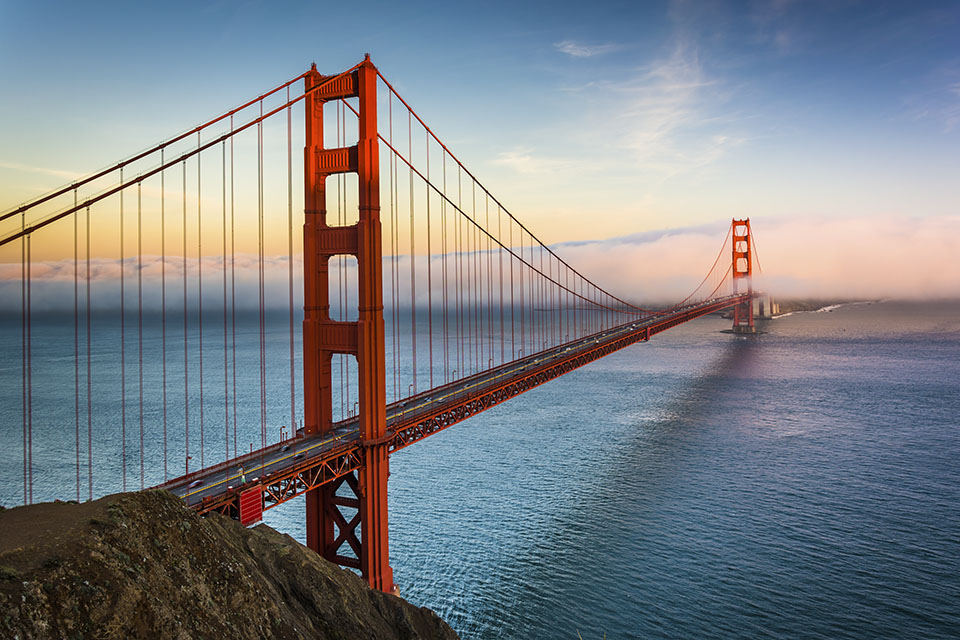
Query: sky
834,126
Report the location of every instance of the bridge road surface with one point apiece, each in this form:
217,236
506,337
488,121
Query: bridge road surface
219,478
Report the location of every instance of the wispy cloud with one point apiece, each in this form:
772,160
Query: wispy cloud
951,110
940,105
523,160
773,26
60,173
659,120
669,117
580,50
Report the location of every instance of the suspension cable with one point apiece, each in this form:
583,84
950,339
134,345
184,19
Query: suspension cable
474,178
181,158
139,156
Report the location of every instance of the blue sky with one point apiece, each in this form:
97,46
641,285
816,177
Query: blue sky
589,120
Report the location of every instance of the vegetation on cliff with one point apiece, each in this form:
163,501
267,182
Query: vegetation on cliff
141,565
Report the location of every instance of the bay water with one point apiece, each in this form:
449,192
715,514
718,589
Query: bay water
802,483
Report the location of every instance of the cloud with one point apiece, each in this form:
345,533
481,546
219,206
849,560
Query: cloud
523,161
935,96
857,257
578,50
775,26
657,121
53,282
951,108
60,173
669,117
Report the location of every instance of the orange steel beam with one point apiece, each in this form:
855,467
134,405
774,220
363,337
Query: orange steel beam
322,471
328,530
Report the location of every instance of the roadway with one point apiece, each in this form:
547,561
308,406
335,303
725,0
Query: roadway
217,479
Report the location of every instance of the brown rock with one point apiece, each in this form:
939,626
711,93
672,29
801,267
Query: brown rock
141,565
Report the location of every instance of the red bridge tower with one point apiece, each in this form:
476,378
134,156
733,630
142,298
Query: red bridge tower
328,527
743,270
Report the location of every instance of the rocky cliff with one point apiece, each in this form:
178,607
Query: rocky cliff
141,565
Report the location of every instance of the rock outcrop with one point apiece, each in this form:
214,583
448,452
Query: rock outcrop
141,565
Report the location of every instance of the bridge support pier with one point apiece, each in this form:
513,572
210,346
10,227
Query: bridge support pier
353,510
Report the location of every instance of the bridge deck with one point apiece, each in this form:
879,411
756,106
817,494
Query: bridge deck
288,469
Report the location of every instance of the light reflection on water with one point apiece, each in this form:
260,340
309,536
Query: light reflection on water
800,484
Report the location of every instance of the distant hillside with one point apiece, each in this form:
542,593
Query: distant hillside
141,565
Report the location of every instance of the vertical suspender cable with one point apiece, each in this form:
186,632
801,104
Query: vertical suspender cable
532,317
89,378
559,298
461,325
465,356
23,350
200,300
223,265
500,265
541,301
476,334
260,254
532,277
478,257
123,359
486,203
186,397
393,257
341,188
536,311
413,271
548,301
340,301
163,307
474,281
395,250
429,264
443,251
76,339
523,327
513,343
554,293
140,317
478,251
233,295
344,290
29,369
585,314
293,382
469,275
478,285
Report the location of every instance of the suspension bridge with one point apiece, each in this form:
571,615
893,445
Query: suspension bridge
164,334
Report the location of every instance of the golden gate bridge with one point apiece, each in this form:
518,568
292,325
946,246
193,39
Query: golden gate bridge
417,284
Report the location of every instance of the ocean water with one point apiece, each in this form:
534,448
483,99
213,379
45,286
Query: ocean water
803,483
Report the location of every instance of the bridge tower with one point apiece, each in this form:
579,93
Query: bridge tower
743,276
329,528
